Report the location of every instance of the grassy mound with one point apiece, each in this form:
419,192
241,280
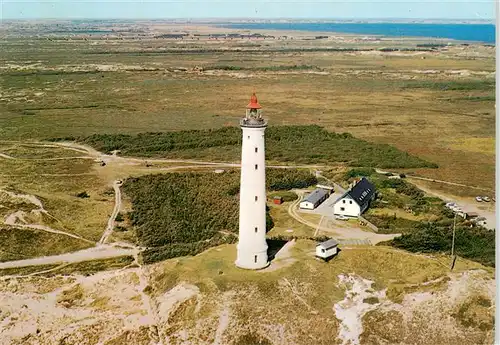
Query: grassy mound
297,144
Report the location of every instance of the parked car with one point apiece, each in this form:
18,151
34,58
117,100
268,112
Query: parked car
340,217
450,204
485,198
479,199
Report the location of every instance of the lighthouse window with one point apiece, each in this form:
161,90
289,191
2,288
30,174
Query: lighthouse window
256,198
256,166
255,258
350,202
256,149
248,137
255,229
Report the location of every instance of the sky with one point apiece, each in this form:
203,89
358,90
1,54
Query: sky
331,9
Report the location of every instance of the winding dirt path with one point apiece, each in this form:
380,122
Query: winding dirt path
3,155
447,182
116,209
94,253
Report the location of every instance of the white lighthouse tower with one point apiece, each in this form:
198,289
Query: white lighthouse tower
252,246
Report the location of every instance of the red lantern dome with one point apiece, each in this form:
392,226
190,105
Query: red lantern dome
254,104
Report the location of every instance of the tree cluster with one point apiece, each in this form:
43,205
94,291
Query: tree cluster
474,243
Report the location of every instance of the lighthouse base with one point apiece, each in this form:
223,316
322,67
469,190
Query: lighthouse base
252,260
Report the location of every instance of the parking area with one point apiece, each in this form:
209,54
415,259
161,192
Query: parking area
487,218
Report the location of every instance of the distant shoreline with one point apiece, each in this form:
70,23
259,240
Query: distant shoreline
478,33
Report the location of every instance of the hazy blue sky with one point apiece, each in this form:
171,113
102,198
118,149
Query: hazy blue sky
426,9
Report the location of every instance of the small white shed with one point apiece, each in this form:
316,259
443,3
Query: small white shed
327,249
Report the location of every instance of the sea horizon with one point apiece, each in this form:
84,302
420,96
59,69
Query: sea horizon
470,32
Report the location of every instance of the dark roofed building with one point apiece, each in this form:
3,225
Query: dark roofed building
356,200
362,192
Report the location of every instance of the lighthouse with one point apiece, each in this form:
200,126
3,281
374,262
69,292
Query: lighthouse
252,245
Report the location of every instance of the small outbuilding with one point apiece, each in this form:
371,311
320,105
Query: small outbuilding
472,215
314,199
327,249
330,189
278,200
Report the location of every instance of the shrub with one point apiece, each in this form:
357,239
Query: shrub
475,243
82,195
391,224
359,172
119,217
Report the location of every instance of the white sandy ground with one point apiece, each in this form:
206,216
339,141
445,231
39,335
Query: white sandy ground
177,295
351,309
113,302
3,155
24,309
224,318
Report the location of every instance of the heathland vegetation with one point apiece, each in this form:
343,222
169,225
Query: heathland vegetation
298,144
181,214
